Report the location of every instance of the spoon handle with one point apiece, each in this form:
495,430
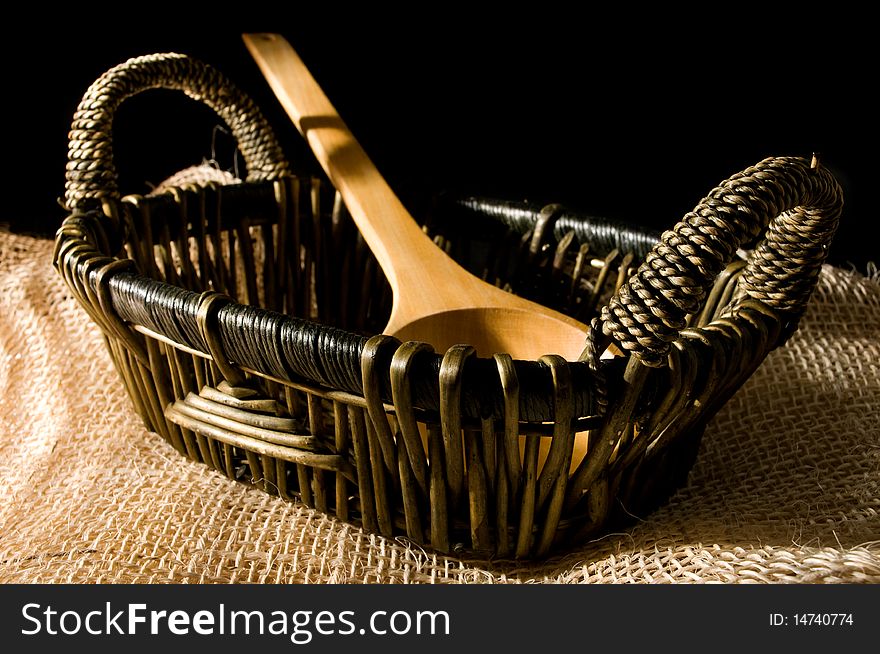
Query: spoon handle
404,252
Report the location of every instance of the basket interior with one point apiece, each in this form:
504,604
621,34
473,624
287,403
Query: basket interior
303,255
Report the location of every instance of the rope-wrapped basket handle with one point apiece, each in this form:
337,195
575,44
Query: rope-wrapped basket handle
91,172
795,200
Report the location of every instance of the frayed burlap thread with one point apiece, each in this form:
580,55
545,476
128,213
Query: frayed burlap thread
786,487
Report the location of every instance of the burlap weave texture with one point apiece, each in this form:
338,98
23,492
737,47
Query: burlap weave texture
786,487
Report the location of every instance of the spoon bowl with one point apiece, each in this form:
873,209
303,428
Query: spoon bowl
493,330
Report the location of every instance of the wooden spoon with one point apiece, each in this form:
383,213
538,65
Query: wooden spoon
435,300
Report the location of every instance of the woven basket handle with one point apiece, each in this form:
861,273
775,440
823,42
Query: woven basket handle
799,200
91,172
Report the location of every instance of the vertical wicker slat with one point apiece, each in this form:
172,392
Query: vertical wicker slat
364,473
340,446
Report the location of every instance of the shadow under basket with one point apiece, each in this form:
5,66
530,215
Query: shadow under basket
244,320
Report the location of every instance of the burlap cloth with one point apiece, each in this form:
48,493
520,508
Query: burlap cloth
786,487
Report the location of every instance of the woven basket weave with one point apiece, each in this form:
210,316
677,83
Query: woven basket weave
243,322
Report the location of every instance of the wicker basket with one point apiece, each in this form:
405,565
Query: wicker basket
242,320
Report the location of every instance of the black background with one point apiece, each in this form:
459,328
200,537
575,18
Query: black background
633,115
